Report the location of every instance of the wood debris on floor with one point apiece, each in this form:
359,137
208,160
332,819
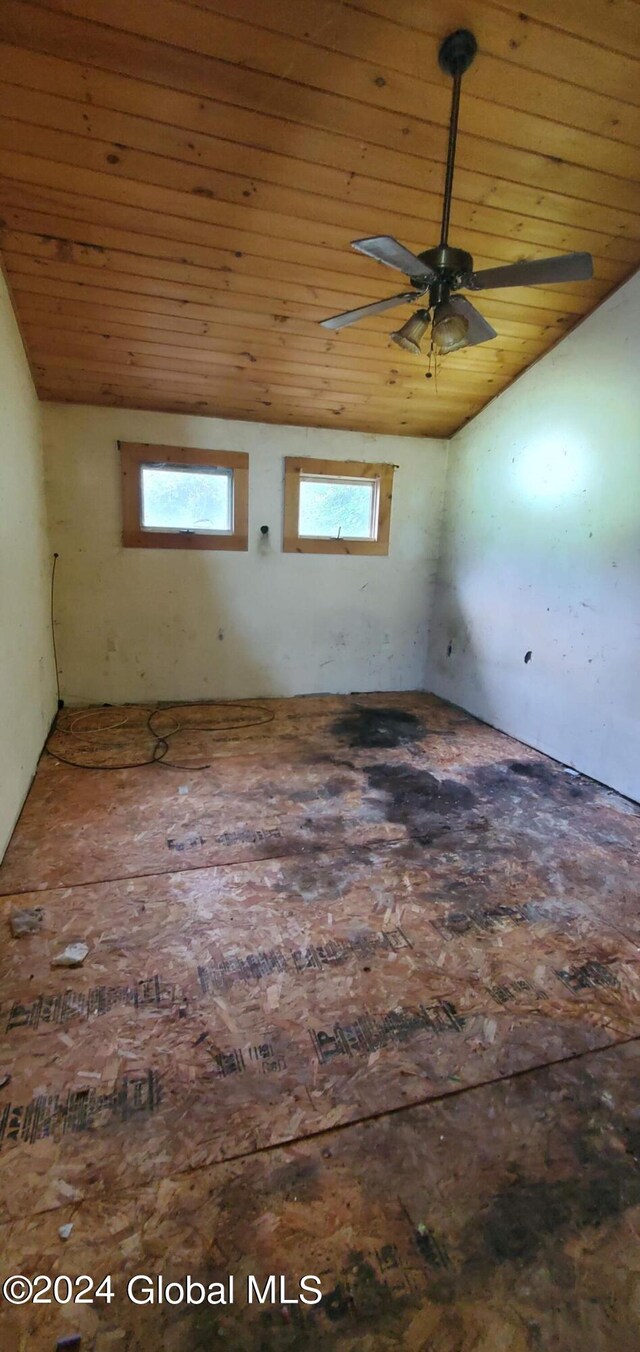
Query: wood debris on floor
324,978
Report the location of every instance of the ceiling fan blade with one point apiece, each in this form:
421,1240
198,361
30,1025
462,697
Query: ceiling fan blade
386,249
575,267
479,330
365,311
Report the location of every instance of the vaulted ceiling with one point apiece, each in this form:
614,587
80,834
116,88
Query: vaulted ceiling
181,180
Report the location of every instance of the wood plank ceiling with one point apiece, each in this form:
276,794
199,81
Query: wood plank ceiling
181,180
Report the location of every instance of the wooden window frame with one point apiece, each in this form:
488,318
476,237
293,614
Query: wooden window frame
134,455
293,543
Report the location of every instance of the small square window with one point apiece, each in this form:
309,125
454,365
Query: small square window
178,498
336,507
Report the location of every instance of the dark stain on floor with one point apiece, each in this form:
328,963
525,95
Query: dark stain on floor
362,1297
373,726
298,1180
312,876
532,781
529,1214
526,1214
418,801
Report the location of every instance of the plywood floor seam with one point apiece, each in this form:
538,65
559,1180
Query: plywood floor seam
371,920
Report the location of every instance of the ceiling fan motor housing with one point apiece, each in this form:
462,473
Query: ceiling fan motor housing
450,266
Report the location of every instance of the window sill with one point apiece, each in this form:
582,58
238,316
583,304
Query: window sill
158,539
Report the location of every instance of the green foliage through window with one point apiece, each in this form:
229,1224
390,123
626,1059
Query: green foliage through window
186,499
342,509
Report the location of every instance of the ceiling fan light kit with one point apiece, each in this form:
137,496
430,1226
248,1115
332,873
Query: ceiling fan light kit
411,333
444,271
450,329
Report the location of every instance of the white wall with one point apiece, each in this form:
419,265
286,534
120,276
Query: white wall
541,553
143,624
27,681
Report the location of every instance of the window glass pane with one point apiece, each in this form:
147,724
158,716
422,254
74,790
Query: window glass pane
344,509
187,499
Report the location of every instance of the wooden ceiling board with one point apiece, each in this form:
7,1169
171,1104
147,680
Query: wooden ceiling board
181,182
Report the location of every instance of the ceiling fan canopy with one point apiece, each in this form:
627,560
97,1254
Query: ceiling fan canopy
442,272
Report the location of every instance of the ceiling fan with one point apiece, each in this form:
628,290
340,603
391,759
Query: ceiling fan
444,271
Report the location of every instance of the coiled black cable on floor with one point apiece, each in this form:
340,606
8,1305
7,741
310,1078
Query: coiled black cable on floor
161,740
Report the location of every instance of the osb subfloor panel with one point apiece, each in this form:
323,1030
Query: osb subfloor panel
362,1000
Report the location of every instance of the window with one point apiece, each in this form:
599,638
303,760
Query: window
336,507
187,499
177,498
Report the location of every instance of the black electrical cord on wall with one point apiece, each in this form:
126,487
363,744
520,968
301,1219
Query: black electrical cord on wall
53,630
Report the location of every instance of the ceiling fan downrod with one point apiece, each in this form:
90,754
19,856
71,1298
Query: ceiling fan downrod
455,56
